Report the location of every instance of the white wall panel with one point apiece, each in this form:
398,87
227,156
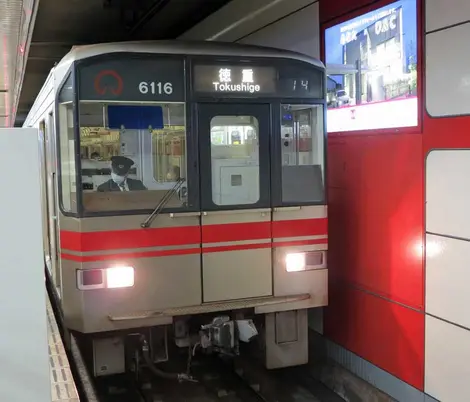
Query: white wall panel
447,346
447,353
442,13
242,17
448,71
448,279
448,192
299,32
23,328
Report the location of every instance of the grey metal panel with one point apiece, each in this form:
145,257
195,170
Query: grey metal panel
315,319
386,382
175,280
315,281
302,184
237,274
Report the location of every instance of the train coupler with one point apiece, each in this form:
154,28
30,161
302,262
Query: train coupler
223,335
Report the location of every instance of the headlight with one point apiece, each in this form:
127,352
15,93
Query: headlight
305,261
295,262
113,277
119,277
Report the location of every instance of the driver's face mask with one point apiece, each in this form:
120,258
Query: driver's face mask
117,178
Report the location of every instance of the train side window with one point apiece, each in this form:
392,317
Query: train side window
67,158
235,160
302,150
169,145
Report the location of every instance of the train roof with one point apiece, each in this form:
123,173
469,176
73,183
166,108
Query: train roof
209,48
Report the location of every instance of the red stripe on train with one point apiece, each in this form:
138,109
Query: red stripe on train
180,236
238,247
124,256
264,230
299,243
300,227
134,238
225,232
167,253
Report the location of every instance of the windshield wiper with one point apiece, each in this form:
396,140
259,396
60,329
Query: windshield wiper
170,193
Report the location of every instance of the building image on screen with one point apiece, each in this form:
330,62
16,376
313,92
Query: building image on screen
371,64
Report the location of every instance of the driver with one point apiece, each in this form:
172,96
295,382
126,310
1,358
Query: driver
120,167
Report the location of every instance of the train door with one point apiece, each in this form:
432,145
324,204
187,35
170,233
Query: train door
52,204
44,196
235,200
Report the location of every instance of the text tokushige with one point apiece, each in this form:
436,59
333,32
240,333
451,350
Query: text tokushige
226,87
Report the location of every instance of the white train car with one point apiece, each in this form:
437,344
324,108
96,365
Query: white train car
183,197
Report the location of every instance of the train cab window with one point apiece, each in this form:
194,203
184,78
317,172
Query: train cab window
235,160
169,145
67,158
302,150
132,156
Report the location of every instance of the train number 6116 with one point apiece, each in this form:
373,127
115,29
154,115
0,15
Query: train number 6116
153,88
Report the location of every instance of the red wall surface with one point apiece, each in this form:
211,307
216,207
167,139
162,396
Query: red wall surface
448,132
376,232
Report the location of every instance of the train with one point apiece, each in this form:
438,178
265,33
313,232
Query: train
183,198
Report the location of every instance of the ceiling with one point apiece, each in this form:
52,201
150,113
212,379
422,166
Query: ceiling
62,24
15,29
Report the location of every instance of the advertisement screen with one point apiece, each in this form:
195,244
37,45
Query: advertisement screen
371,63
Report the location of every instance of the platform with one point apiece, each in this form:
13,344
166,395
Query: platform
62,383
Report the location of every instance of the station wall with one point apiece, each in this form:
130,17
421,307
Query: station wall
399,310
376,245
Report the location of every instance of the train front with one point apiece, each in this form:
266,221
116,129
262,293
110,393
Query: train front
192,204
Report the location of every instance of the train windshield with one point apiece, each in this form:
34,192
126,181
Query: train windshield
132,155
254,136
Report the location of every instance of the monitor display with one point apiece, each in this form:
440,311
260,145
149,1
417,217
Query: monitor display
371,63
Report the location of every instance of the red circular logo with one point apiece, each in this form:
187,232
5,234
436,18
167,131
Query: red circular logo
115,88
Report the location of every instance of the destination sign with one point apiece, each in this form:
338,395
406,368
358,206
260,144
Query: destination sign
286,79
132,79
247,80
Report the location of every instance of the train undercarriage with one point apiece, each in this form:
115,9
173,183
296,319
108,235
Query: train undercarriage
277,339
